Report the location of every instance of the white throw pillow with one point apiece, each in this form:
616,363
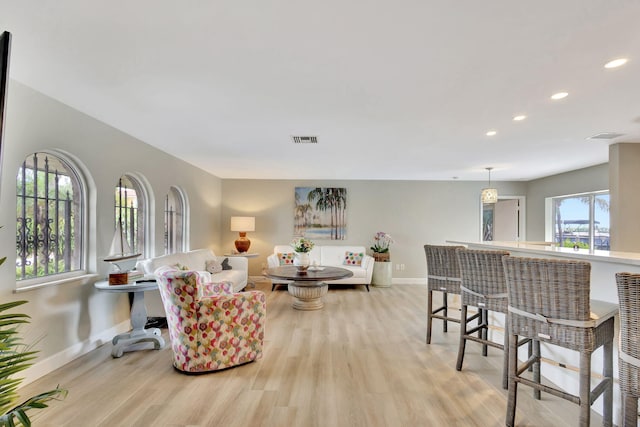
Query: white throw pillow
213,266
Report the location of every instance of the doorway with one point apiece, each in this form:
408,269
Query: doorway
504,220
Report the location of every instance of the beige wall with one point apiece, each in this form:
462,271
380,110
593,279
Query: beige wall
413,212
72,315
624,175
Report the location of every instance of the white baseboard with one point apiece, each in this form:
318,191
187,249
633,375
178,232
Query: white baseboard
51,363
409,281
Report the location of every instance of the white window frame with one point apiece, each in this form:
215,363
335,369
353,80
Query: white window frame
82,275
148,203
180,197
550,216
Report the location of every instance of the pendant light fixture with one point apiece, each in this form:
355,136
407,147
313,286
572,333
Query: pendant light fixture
489,195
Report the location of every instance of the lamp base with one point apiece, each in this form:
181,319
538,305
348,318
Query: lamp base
242,244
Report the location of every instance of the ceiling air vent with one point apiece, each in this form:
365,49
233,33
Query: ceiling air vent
305,139
606,135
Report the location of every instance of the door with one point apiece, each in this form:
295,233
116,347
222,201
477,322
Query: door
506,220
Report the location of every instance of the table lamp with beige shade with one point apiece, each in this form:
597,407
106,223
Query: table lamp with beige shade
242,224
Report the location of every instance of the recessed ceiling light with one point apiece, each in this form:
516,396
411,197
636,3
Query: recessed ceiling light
559,95
616,63
491,133
519,118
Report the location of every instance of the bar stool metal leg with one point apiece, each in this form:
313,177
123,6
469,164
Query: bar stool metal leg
512,383
607,371
484,332
445,311
429,315
629,410
585,388
463,341
536,367
505,357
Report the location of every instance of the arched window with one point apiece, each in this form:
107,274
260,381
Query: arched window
50,215
130,212
175,221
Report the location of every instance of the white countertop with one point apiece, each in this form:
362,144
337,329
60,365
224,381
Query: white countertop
627,258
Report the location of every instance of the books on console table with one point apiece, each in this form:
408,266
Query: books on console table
124,278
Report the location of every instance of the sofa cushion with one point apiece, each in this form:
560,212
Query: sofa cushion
181,267
172,270
286,258
164,269
314,255
353,258
233,276
334,255
195,260
359,275
225,264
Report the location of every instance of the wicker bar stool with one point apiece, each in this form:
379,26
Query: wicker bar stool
443,275
549,302
629,346
483,286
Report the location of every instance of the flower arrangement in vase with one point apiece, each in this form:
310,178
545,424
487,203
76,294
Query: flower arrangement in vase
302,247
380,248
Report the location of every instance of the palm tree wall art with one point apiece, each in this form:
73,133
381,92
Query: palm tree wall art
320,213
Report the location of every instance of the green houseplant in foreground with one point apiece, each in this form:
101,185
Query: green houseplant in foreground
15,357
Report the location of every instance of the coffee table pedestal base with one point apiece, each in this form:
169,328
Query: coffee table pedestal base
308,296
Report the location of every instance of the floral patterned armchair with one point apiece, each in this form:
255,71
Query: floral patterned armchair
210,327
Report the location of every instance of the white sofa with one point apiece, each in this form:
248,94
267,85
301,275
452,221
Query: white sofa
197,260
330,256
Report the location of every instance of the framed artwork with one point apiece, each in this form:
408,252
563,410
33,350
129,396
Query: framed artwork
320,213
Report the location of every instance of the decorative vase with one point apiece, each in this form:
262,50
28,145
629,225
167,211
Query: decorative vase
302,262
382,256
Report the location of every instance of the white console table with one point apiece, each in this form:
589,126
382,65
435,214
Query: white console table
130,341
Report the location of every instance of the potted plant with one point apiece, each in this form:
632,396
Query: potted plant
15,357
302,247
380,248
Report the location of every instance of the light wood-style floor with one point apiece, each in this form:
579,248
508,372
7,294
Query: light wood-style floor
361,361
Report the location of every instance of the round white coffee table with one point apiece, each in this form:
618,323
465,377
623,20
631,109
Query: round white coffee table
308,289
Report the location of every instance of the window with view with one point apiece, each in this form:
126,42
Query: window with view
175,225
129,212
582,220
49,213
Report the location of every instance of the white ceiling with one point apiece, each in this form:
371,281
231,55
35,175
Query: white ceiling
402,89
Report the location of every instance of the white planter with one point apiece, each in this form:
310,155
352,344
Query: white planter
381,274
302,261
